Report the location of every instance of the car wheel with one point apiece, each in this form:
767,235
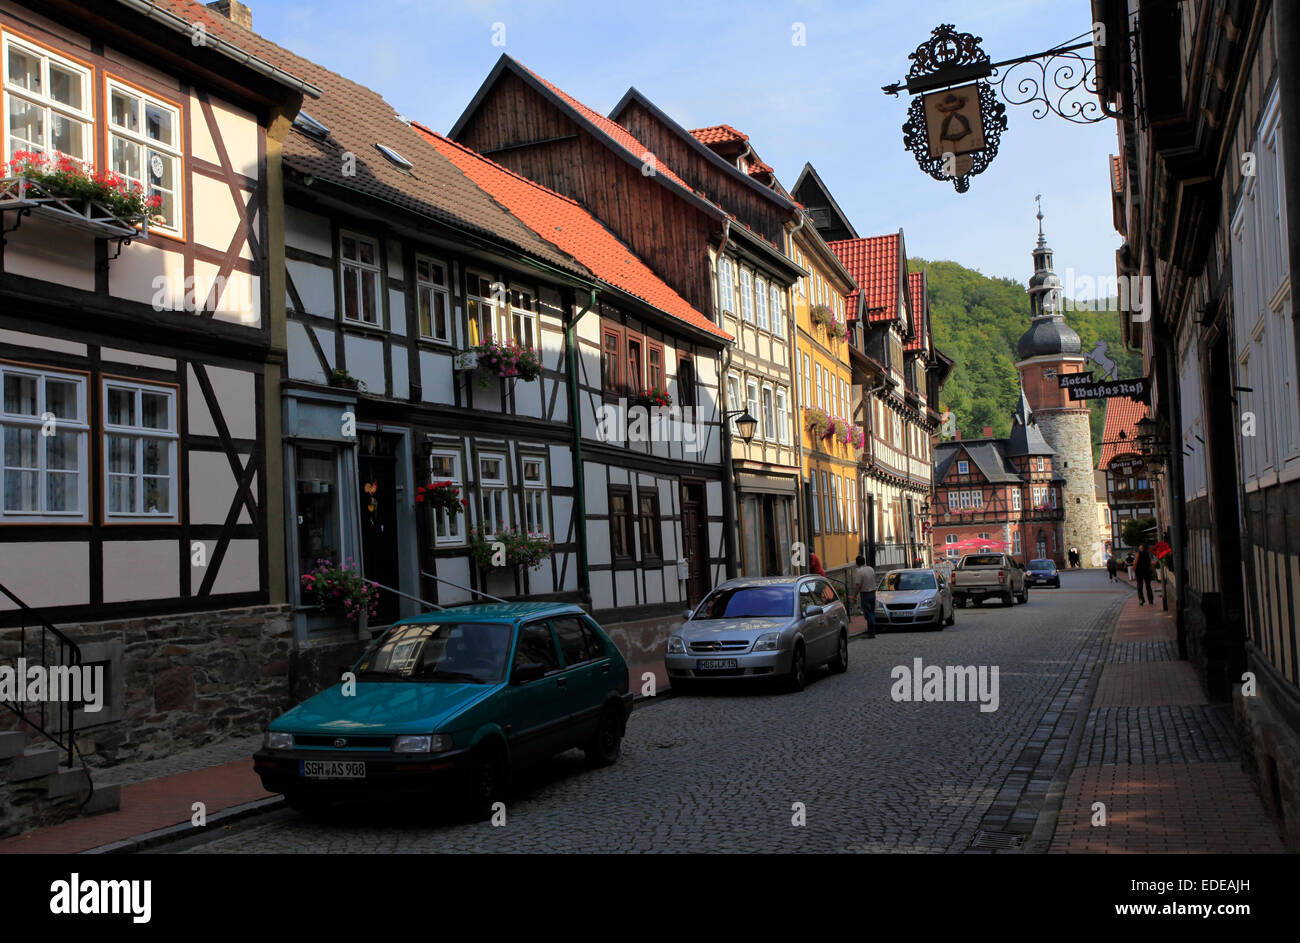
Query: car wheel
1024,596
840,663
798,675
485,782
1008,599
960,602
952,617
1057,584
607,743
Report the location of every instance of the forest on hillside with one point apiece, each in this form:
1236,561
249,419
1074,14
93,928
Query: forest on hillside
977,321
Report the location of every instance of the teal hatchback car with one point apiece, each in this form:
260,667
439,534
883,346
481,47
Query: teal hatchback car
453,702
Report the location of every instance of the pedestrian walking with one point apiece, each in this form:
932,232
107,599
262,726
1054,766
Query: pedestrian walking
815,564
1112,566
864,589
1142,569
1128,566
1074,558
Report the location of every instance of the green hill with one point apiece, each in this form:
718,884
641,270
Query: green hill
977,322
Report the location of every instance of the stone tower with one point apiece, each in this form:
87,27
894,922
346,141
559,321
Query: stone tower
1049,349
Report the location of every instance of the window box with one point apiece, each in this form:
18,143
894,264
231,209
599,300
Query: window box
521,548
67,192
509,361
821,315
653,398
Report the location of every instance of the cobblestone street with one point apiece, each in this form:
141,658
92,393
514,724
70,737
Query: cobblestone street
723,772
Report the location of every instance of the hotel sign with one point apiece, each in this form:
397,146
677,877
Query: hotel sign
1083,387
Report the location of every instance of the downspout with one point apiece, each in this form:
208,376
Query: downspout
729,515
801,499
575,420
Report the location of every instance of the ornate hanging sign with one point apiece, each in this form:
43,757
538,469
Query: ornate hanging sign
955,123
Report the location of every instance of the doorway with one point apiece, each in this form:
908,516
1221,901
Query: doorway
695,542
377,500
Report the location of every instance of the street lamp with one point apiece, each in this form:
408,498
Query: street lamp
746,425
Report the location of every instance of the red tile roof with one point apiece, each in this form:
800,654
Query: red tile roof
1117,174
718,133
613,130
874,264
920,305
572,229
1122,415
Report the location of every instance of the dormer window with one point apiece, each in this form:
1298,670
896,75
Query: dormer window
310,126
394,158
963,468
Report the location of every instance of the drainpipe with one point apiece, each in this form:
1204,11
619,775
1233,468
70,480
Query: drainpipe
729,515
575,420
800,499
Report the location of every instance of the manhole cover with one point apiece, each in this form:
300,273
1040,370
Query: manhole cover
997,840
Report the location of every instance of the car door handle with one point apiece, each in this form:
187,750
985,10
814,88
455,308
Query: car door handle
561,682
604,669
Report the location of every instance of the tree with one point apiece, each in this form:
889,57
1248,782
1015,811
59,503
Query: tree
1137,531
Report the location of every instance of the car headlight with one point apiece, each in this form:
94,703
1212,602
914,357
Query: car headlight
274,740
767,642
929,603
676,646
431,743
880,606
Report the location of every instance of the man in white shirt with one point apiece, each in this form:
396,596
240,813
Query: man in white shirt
864,588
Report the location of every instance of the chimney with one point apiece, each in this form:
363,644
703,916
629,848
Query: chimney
956,434
988,432
233,10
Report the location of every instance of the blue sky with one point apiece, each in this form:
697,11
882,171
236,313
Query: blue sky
735,63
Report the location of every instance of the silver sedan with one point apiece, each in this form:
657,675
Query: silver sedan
920,597
751,628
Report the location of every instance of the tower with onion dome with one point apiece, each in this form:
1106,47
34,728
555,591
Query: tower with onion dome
1047,351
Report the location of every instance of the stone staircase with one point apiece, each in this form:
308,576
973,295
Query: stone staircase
37,789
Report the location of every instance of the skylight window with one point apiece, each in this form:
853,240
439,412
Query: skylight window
310,126
396,159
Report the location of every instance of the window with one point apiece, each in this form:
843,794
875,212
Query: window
751,392
620,523
769,414
433,299
1042,462
655,366
803,378
361,279
965,499
951,551
963,468
144,146
812,493
48,103
821,389
485,303
953,500
733,397
826,502
536,520
726,287
139,450
685,382
1039,496
747,295
523,318
837,504
494,506
44,475
760,303
610,344
1015,542
536,647
577,642
1015,499
782,418
648,518
977,499
776,303
634,375
447,528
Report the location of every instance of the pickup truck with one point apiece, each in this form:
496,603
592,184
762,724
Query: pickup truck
980,576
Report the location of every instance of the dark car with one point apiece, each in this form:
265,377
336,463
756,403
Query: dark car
456,698
1043,573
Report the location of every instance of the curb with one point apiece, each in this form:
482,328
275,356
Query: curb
171,833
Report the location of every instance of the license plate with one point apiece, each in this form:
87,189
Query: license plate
332,769
716,664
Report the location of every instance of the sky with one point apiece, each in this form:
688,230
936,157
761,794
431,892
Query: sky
820,101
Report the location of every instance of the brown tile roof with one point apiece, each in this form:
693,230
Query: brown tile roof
873,263
564,222
1116,174
1122,415
920,307
358,119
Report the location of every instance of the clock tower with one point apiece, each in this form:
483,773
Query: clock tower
1047,351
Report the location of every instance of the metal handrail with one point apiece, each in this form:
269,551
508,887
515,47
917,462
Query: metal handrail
467,589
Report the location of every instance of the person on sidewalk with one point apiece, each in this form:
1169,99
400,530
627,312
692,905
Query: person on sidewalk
1128,566
1143,565
1112,566
864,589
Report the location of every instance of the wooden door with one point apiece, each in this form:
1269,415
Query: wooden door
694,543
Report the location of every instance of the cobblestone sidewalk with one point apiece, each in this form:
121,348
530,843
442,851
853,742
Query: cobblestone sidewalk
1162,760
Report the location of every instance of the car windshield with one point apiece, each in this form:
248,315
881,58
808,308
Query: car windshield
1041,564
744,602
906,580
436,651
985,559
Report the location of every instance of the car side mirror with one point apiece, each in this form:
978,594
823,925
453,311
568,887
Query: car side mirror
529,671
810,611
687,615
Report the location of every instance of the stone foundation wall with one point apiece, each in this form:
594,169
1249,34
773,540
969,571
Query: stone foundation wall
1271,757
177,682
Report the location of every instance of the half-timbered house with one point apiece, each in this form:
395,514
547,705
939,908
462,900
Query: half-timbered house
140,503
530,126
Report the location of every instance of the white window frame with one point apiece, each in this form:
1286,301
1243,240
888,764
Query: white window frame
1015,541
816,516
726,286
36,422
965,499
47,105
535,495
977,499
434,289
734,400
525,325
776,306
821,387
954,499
782,417
747,295
752,404
1015,499
139,433
760,304
490,487
768,405
805,379
448,530
361,268
172,152
963,467
489,309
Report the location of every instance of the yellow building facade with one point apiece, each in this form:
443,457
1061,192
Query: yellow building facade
830,439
